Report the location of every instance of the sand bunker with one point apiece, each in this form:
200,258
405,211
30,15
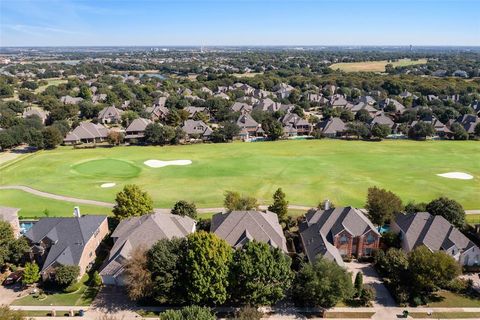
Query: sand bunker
108,185
456,175
159,163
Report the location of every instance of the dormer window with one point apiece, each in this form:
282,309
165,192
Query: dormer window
343,239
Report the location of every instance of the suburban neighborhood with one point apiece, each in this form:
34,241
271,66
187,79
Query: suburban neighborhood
239,160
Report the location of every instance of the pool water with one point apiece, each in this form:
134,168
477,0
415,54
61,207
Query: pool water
25,225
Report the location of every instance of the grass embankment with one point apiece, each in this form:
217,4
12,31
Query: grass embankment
445,315
374,66
308,171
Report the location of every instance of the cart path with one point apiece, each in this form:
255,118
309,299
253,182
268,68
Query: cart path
162,210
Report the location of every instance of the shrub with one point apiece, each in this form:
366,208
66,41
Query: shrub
66,275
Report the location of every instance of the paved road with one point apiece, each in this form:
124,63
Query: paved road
162,210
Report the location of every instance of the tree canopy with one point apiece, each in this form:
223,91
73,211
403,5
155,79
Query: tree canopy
132,201
260,274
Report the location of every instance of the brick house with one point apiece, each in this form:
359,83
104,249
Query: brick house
338,233
66,241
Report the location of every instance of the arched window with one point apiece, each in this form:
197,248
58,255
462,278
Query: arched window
343,239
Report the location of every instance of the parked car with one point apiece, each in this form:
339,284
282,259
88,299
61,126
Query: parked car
13,277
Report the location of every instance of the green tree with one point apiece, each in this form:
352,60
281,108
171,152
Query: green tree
413,207
459,132
449,209
52,137
66,275
421,130
476,131
156,134
188,313
11,249
206,262
367,294
273,128
358,129
280,205
429,271
163,263
6,140
260,274
132,201
31,273
358,283
184,208
234,201
381,131
323,284
96,280
382,205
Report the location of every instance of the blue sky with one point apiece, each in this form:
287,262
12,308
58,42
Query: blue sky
239,22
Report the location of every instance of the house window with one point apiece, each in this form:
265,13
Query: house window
370,239
367,251
343,239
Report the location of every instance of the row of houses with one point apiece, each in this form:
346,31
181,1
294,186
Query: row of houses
335,233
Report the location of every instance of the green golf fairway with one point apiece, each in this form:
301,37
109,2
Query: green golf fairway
308,171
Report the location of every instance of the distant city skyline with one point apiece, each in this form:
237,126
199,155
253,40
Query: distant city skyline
239,22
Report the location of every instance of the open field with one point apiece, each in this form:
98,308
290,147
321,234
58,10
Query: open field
374,66
308,171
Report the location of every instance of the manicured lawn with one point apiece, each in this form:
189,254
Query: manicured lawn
82,297
349,315
374,66
38,313
308,171
33,206
472,218
454,300
446,315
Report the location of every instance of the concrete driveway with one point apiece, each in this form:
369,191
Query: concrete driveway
383,298
10,293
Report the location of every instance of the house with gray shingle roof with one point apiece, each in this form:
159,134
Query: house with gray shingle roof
144,232
87,132
43,115
70,100
437,234
241,107
239,227
332,127
10,215
110,115
338,232
136,129
197,128
66,241
301,126
249,127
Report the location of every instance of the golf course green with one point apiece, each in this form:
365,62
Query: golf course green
308,171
